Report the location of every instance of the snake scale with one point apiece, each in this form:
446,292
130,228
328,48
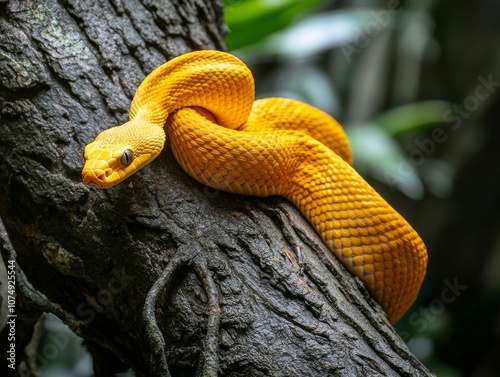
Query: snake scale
204,101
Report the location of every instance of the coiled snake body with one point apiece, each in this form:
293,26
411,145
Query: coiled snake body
275,146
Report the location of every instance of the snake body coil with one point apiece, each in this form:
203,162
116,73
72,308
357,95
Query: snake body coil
275,146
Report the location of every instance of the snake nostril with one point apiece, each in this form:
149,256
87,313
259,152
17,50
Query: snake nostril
104,174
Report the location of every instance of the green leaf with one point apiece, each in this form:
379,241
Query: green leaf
314,34
251,21
413,117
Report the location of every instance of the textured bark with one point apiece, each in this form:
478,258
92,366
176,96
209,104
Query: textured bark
160,268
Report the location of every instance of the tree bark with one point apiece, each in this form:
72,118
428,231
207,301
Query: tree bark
159,270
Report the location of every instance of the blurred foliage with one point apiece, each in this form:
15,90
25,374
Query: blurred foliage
297,47
261,17
60,352
413,117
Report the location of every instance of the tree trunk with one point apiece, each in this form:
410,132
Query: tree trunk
160,269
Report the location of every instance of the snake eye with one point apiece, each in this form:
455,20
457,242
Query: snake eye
127,157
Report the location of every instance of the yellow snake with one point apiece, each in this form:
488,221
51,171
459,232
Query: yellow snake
274,146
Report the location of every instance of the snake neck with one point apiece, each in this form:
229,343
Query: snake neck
213,80
248,163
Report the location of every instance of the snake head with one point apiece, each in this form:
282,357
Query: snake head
120,151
